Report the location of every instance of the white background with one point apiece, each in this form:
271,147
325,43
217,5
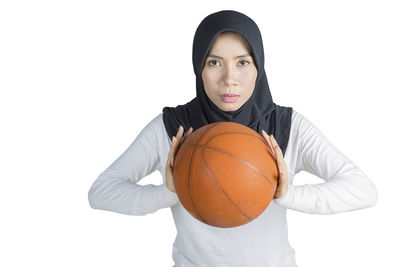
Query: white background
80,79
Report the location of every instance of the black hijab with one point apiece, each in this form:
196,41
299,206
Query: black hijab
258,113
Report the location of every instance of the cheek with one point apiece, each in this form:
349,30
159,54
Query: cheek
210,77
253,73
249,77
248,80
209,83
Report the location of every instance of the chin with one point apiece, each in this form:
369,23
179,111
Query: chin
228,107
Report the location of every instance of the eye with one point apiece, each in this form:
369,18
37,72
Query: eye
244,62
213,62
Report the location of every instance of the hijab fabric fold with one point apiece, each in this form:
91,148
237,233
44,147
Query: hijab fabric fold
258,113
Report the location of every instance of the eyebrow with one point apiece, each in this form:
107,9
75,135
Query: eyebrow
215,56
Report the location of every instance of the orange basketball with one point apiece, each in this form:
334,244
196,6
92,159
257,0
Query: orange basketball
225,174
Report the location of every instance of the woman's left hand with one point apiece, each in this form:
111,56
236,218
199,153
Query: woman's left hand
282,186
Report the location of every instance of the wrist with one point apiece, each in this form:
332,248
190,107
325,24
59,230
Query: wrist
170,187
281,190
285,198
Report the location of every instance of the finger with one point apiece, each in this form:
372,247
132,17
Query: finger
179,138
277,156
272,147
168,168
172,150
280,167
281,162
169,165
188,132
277,148
179,133
175,143
176,139
266,137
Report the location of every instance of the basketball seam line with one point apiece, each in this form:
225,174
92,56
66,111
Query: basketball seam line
223,191
258,137
190,168
241,160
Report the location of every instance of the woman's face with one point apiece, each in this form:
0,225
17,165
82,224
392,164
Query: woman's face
229,73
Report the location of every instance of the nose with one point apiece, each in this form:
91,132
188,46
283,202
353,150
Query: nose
229,76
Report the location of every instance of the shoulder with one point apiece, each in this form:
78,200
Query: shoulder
301,125
158,129
154,131
157,122
298,119
156,125
155,137
305,136
302,133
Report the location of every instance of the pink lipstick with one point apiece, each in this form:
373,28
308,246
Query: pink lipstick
229,98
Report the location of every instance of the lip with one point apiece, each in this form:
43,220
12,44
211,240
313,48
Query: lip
229,98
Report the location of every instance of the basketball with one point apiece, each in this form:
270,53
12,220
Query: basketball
225,174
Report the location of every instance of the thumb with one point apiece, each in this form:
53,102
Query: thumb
168,167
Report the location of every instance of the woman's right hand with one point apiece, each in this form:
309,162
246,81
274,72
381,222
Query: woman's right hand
176,142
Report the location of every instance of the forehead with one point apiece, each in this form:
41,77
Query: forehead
226,42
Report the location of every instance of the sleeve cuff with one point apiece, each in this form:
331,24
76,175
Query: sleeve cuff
286,199
170,196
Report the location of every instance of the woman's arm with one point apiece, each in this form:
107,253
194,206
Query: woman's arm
346,187
116,190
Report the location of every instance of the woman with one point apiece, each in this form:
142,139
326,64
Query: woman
231,85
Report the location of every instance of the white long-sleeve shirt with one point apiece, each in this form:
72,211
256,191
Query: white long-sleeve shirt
262,242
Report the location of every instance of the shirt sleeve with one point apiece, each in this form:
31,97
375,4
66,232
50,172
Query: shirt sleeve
346,187
116,188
